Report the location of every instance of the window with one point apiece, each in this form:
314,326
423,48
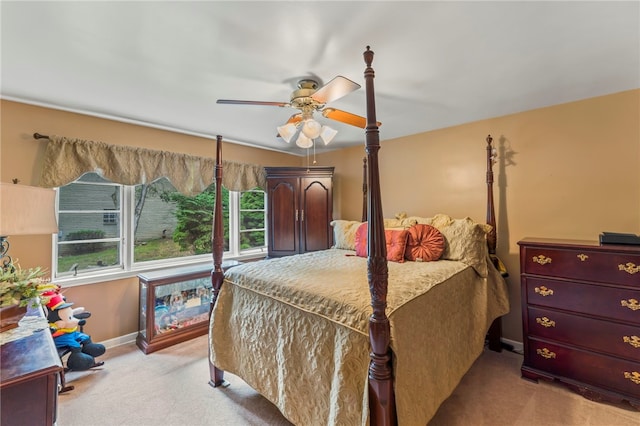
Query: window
110,219
107,228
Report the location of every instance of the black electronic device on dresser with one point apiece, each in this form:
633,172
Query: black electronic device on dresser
581,316
300,209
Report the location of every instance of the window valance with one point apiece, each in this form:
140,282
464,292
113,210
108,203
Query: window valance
67,159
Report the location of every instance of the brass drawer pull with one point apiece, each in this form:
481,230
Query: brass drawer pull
629,267
634,377
541,259
631,304
633,341
543,291
582,257
546,322
546,353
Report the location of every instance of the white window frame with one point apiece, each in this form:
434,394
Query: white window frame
128,268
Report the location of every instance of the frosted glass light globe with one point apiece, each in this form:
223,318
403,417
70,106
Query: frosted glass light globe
311,128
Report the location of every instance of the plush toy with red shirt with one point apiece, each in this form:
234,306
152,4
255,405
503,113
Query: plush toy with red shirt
66,335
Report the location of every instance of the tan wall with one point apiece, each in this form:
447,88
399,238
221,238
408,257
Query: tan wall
114,304
566,171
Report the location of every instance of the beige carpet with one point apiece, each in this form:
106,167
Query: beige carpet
170,387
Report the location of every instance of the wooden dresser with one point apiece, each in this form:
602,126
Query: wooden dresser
581,316
29,371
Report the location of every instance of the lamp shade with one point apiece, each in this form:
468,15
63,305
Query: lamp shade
287,131
303,141
27,210
327,134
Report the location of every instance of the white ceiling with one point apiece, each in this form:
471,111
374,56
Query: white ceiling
437,64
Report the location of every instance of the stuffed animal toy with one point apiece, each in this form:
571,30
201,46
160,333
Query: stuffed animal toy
64,328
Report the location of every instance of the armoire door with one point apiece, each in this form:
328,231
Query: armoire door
316,205
284,213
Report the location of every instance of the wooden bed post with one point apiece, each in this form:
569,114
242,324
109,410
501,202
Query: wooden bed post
495,331
381,398
491,216
216,376
364,189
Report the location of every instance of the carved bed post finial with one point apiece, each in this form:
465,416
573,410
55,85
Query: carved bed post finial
381,396
491,216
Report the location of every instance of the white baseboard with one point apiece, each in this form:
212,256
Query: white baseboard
121,340
518,347
130,338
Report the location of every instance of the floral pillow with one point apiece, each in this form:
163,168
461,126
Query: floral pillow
344,234
396,240
424,243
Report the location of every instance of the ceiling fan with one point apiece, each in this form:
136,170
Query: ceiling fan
308,98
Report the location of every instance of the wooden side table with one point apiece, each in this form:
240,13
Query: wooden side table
29,372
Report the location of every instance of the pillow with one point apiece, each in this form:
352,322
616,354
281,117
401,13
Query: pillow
344,234
424,243
396,240
466,241
392,223
412,220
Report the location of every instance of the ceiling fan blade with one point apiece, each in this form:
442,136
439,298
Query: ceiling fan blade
346,117
295,118
266,103
335,89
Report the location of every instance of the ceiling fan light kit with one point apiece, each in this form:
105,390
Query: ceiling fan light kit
287,131
301,128
311,128
303,141
327,134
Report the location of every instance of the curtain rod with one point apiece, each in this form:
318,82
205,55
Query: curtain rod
39,136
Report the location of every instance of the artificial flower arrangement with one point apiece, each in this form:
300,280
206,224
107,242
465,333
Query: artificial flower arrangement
23,287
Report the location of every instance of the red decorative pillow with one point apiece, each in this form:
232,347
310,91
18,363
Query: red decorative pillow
396,243
361,240
424,243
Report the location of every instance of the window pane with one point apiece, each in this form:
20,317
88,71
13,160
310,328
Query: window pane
76,257
252,219
168,224
75,226
89,222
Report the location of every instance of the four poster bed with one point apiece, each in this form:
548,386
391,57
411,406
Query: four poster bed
331,337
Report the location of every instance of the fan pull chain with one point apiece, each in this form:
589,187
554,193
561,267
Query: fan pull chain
314,152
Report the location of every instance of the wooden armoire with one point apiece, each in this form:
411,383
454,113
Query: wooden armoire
300,209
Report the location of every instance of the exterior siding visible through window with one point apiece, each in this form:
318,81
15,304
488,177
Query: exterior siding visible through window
109,229
110,218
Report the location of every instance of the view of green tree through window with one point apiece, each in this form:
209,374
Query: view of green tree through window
175,224
252,219
96,218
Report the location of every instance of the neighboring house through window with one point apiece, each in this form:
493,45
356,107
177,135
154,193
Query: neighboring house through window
107,229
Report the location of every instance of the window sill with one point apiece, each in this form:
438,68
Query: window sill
105,276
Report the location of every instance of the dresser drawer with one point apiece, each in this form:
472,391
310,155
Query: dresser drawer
598,370
609,267
605,302
603,336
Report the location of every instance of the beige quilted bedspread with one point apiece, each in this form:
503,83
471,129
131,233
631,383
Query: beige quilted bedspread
296,330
